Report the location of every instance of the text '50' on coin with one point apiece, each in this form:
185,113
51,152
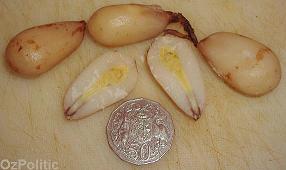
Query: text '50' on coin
140,131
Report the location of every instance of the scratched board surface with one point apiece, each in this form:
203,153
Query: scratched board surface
234,132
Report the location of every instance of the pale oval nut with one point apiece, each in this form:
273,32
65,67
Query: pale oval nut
172,62
124,24
38,49
118,25
243,63
108,79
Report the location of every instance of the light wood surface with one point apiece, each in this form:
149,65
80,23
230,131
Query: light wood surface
234,132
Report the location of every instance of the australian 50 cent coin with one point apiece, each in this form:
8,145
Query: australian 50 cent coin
140,131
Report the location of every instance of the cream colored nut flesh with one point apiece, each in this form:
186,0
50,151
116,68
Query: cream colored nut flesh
172,61
108,79
118,25
244,64
38,49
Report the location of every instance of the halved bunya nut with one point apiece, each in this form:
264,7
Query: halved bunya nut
172,61
108,79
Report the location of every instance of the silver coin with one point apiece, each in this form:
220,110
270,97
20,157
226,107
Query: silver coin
140,131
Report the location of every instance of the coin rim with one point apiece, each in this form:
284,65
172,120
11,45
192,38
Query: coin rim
111,145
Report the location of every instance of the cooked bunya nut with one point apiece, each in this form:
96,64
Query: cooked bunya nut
243,63
173,63
108,79
38,49
119,25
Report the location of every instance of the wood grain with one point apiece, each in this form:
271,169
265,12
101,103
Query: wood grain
234,132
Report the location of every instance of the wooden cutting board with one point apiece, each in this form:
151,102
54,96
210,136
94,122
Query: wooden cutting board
234,132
